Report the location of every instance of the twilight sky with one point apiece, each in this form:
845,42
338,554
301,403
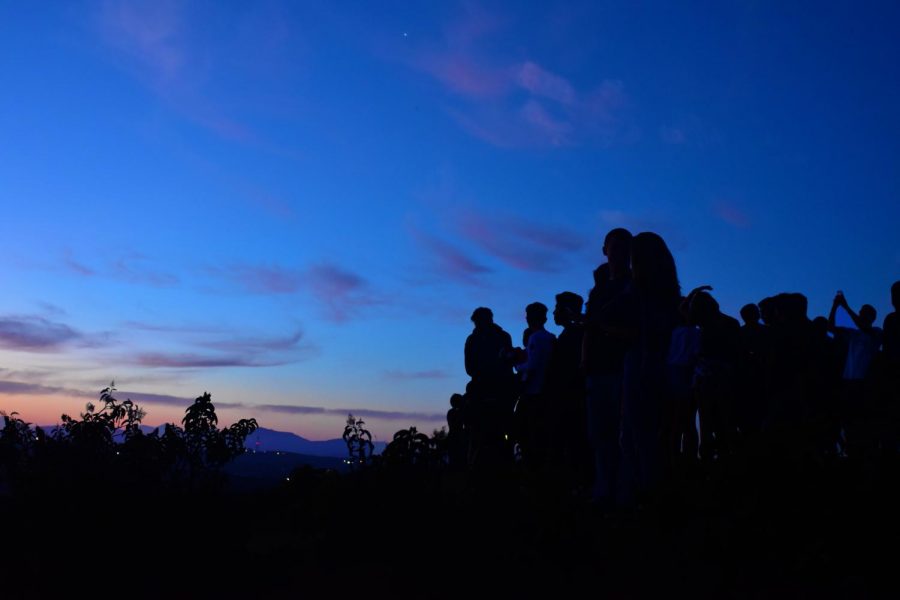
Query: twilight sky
296,205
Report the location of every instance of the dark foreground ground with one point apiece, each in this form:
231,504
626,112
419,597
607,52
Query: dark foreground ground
756,527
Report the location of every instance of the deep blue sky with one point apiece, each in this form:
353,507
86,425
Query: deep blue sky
296,206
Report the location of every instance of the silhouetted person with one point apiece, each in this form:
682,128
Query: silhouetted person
889,376
862,348
767,310
603,360
531,409
750,406
644,316
565,386
457,436
485,352
491,392
679,414
787,365
891,327
715,372
750,315
827,365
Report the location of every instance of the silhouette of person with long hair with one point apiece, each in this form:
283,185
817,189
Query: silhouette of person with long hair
603,360
644,316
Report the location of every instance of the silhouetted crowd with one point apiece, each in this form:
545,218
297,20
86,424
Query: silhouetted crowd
645,380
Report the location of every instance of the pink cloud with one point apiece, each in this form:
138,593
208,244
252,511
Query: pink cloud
190,360
556,238
543,83
518,243
262,279
466,76
488,92
732,214
399,375
151,38
130,267
77,267
274,343
151,32
552,129
15,388
672,135
36,334
603,102
130,270
451,261
341,292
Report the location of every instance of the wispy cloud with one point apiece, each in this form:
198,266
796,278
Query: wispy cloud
672,135
515,103
518,243
153,40
33,389
400,375
77,267
192,360
342,293
542,83
368,413
245,344
465,76
449,260
130,267
732,214
151,33
285,409
554,129
36,334
264,279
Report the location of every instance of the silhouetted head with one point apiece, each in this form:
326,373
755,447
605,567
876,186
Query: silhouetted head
568,308
601,274
796,306
482,317
457,401
820,327
536,314
750,314
895,295
653,267
767,310
867,314
617,250
703,308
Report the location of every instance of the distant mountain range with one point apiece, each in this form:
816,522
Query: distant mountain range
269,440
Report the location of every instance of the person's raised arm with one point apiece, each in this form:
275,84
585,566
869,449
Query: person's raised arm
860,324
832,327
